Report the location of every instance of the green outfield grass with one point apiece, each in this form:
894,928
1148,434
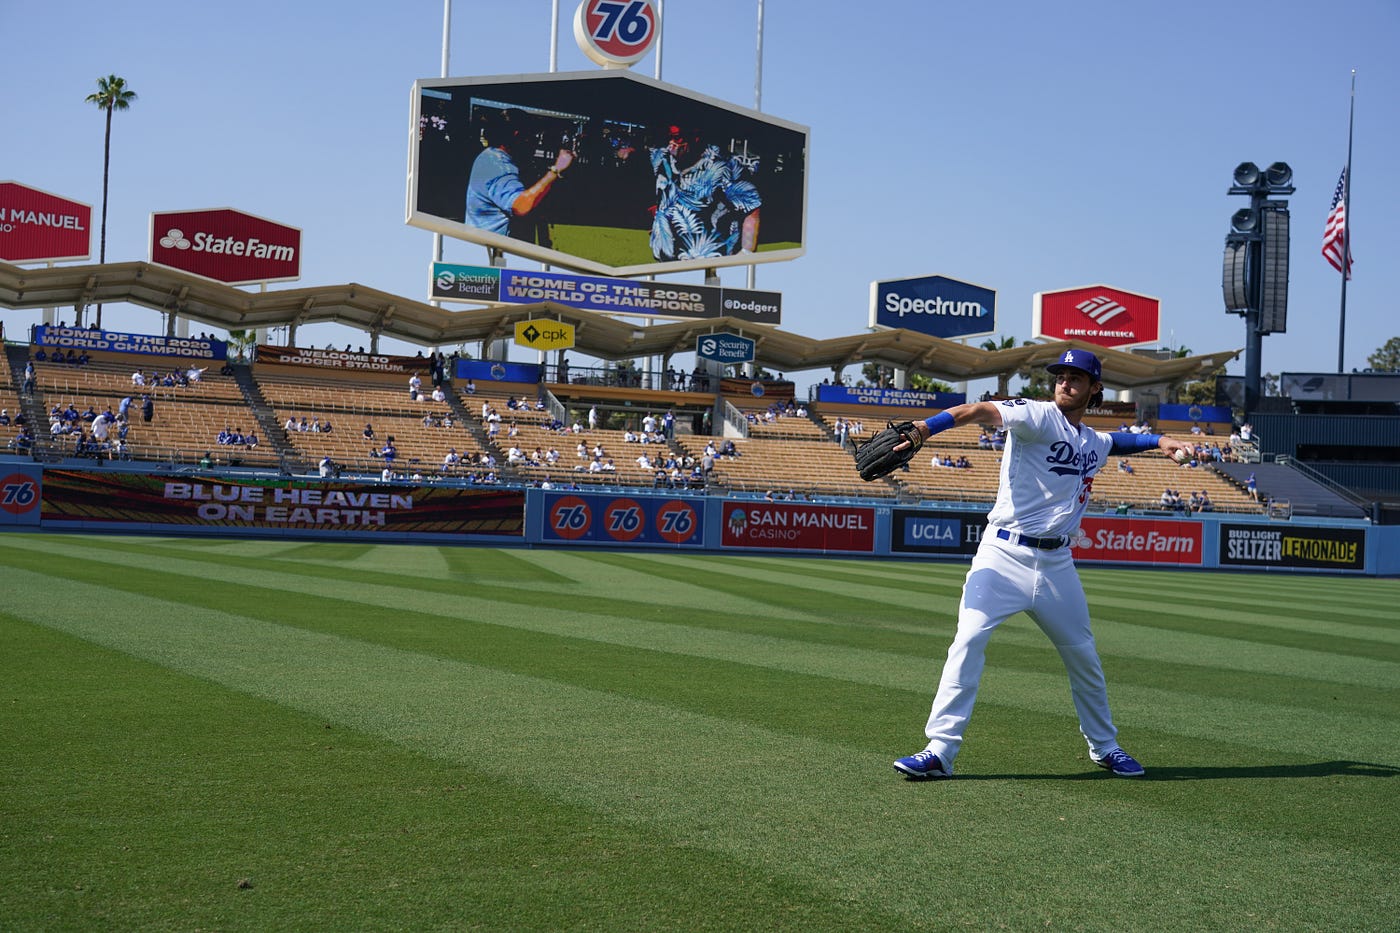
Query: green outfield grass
250,735
615,246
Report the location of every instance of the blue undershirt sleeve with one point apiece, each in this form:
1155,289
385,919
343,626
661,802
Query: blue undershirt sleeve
1125,442
939,422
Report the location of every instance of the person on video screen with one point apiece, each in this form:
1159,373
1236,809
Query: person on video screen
495,193
708,207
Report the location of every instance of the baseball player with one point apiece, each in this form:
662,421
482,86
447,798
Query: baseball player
1023,562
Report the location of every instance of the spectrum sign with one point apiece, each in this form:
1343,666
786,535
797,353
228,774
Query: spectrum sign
935,305
226,245
1097,314
36,226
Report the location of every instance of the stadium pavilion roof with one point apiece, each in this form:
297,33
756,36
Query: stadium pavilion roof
598,335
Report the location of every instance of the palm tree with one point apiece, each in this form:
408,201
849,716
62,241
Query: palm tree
1003,379
111,95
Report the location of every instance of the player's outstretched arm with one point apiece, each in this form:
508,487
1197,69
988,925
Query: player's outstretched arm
970,413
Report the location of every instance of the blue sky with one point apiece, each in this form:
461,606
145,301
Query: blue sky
1021,146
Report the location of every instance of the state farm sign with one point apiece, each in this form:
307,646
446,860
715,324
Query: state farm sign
226,245
36,226
1097,314
1141,541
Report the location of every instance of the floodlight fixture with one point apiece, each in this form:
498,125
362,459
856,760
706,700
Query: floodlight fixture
1245,220
1246,174
1278,175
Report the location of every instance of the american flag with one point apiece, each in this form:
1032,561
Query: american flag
1336,228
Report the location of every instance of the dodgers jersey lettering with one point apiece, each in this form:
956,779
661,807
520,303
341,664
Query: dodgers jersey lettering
1047,469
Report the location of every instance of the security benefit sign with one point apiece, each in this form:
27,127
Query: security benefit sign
725,348
1267,546
544,334
587,518
798,527
935,305
73,496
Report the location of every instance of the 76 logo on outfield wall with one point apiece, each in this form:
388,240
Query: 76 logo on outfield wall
615,33
624,519
18,494
676,522
570,518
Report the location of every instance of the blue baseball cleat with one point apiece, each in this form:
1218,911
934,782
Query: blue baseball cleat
923,766
1121,764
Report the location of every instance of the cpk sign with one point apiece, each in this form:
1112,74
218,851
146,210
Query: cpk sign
1097,314
226,245
615,33
36,226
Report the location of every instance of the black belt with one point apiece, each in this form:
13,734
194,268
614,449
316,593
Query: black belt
1043,544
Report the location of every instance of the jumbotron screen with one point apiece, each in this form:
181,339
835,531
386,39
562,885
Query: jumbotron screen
608,172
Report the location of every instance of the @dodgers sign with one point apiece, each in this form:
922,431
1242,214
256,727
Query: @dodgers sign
725,348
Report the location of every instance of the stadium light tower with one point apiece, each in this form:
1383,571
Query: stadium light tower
1255,275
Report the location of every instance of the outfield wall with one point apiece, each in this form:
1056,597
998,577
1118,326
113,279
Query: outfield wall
117,501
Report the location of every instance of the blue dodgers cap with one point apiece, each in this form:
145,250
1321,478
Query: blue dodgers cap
1079,359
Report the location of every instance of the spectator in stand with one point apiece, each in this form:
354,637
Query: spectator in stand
1124,466
1195,501
368,433
471,387
5,417
389,452
250,440
148,409
206,462
439,395
1251,486
593,418
291,425
315,425
1165,499
414,384
1205,505
302,426
610,467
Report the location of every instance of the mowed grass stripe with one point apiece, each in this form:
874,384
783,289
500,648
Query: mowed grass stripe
1036,683
728,788
118,771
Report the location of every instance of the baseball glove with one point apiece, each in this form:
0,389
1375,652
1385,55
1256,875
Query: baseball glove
878,457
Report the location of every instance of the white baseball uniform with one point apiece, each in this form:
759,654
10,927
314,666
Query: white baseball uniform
1023,564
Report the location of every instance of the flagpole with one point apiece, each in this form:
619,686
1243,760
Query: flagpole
1346,232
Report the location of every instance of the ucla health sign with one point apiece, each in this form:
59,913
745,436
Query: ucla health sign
935,305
